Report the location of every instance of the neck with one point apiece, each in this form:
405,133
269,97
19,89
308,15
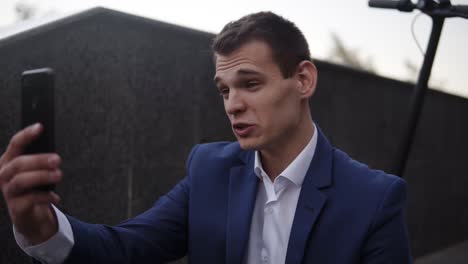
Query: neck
276,159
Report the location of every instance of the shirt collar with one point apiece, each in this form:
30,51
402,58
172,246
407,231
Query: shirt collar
297,169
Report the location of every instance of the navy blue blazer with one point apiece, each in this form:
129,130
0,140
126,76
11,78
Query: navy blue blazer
346,213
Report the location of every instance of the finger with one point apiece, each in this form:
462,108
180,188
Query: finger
27,181
1,160
28,163
20,140
55,197
21,205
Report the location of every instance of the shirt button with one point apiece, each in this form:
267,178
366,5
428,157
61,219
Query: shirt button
268,210
264,256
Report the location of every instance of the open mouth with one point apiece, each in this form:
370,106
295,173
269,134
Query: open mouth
242,129
240,126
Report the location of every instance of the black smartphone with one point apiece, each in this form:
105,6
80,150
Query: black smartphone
37,105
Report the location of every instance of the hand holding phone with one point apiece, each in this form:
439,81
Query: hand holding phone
20,176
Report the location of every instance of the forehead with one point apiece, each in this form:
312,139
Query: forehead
254,56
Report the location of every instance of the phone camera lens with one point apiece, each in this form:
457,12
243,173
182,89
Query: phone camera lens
34,103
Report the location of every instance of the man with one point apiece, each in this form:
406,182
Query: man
280,194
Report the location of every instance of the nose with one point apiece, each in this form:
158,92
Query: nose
234,104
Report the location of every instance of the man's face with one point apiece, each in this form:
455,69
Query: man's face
263,107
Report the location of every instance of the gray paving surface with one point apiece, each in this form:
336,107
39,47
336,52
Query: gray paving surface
456,254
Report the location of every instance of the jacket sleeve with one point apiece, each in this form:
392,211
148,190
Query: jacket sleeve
155,236
387,240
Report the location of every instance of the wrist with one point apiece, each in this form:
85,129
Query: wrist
45,230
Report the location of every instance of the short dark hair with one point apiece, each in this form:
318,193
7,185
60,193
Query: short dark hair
288,45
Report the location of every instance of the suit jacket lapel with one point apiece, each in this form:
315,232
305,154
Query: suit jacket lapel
311,199
243,185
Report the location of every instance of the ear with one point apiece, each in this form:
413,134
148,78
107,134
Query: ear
306,75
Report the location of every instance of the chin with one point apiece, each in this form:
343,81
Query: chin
248,143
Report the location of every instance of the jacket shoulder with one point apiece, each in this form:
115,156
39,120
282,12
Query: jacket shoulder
220,152
223,149
355,176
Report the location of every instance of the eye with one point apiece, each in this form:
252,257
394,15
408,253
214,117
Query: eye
252,84
224,92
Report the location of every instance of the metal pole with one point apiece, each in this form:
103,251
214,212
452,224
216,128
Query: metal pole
417,100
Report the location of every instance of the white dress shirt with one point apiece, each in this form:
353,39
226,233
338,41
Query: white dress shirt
56,249
275,207
270,225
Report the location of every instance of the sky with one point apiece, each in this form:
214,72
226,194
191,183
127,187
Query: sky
380,35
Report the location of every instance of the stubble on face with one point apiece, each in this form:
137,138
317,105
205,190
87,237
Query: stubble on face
272,107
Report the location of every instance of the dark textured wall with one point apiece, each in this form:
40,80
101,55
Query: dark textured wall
133,96
130,104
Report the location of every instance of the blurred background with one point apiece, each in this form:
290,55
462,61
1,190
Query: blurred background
134,93
345,31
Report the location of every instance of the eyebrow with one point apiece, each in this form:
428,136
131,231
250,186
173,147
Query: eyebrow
241,72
